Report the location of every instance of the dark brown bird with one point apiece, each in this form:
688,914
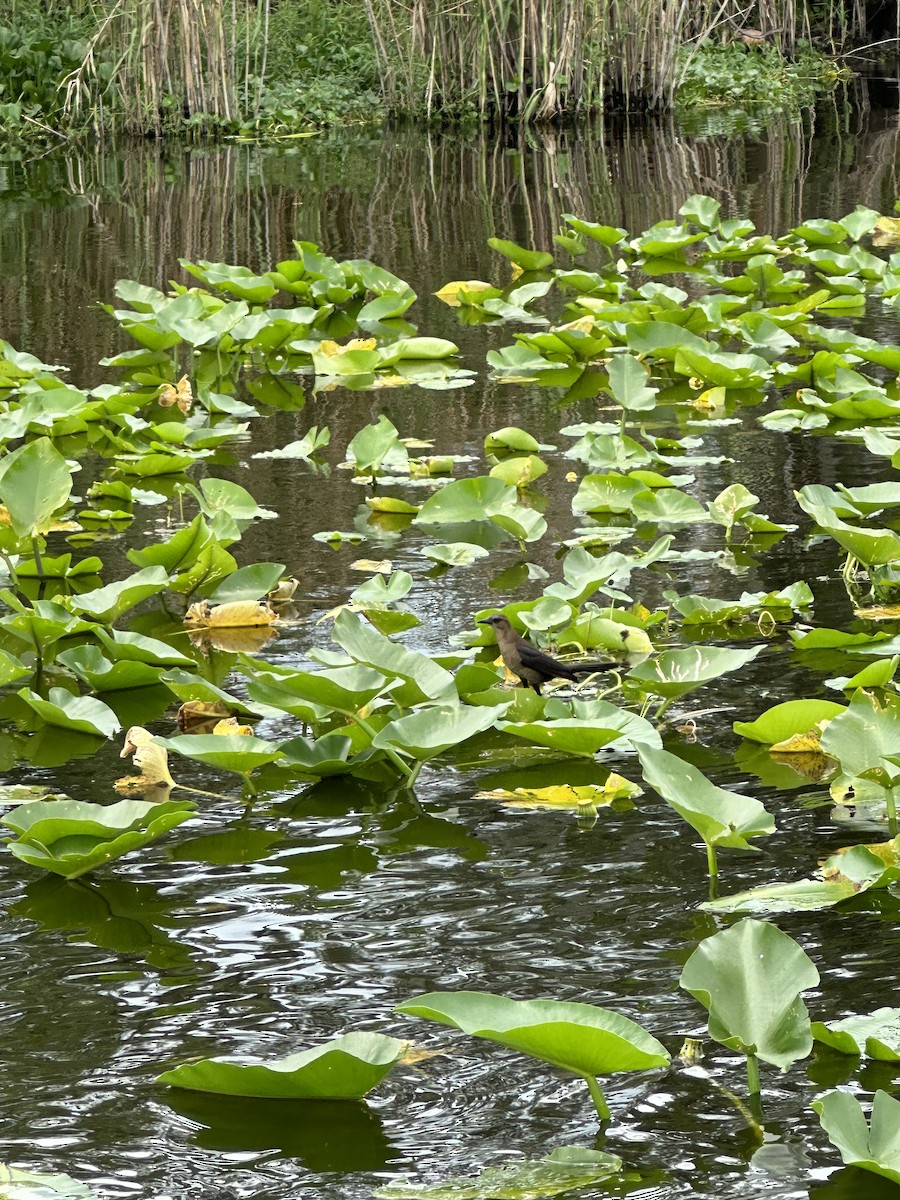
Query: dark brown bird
533,666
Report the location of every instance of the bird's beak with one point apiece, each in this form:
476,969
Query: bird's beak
483,622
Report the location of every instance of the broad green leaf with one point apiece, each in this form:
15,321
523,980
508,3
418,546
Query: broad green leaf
326,756
702,210
561,1171
432,730
876,1034
783,721
864,736
237,753
248,583
874,1147
528,260
749,978
346,689
101,675
628,383
346,1068
581,1038
595,724
71,837
110,602
79,713
465,500
34,482
424,679
721,818
676,672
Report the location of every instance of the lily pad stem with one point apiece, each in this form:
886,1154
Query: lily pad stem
395,758
36,551
891,802
753,1074
598,1098
712,863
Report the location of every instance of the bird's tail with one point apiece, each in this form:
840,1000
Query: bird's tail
589,668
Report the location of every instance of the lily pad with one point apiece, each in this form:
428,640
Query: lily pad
72,837
749,978
874,1147
346,1068
783,721
877,1034
82,714
581,1038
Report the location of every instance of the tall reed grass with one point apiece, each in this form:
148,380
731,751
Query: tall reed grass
535,60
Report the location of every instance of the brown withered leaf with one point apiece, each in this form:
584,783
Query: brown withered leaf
237,615
179,393
417,1054
247,640
195,713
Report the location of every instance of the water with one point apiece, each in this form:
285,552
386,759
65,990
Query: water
267,930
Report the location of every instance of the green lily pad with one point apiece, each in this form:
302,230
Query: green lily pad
581,1038
595,724
876,1034
432,730
72,837
749,978
874,1147
346,1068
676,672
238,753
783,721
82,714
721,818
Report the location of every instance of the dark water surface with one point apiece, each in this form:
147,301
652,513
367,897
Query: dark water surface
268,930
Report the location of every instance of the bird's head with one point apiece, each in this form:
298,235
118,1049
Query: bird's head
496,622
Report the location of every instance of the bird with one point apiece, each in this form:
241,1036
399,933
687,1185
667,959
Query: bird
532,666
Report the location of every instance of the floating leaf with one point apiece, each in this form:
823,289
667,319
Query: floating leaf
235,615
82,714
71,837
581,1038
34,1185
874,1147
346,1068
877,1034
785,720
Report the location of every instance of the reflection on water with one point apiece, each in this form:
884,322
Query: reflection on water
267,928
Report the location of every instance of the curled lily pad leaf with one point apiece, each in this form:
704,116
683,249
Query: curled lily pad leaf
874,1147
592,726
564,1169
783,721
71,837
675,672
237,753
581,1038
877,1034
346,1068
433,730
749,978
80,713
567,796
842,877
721,818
